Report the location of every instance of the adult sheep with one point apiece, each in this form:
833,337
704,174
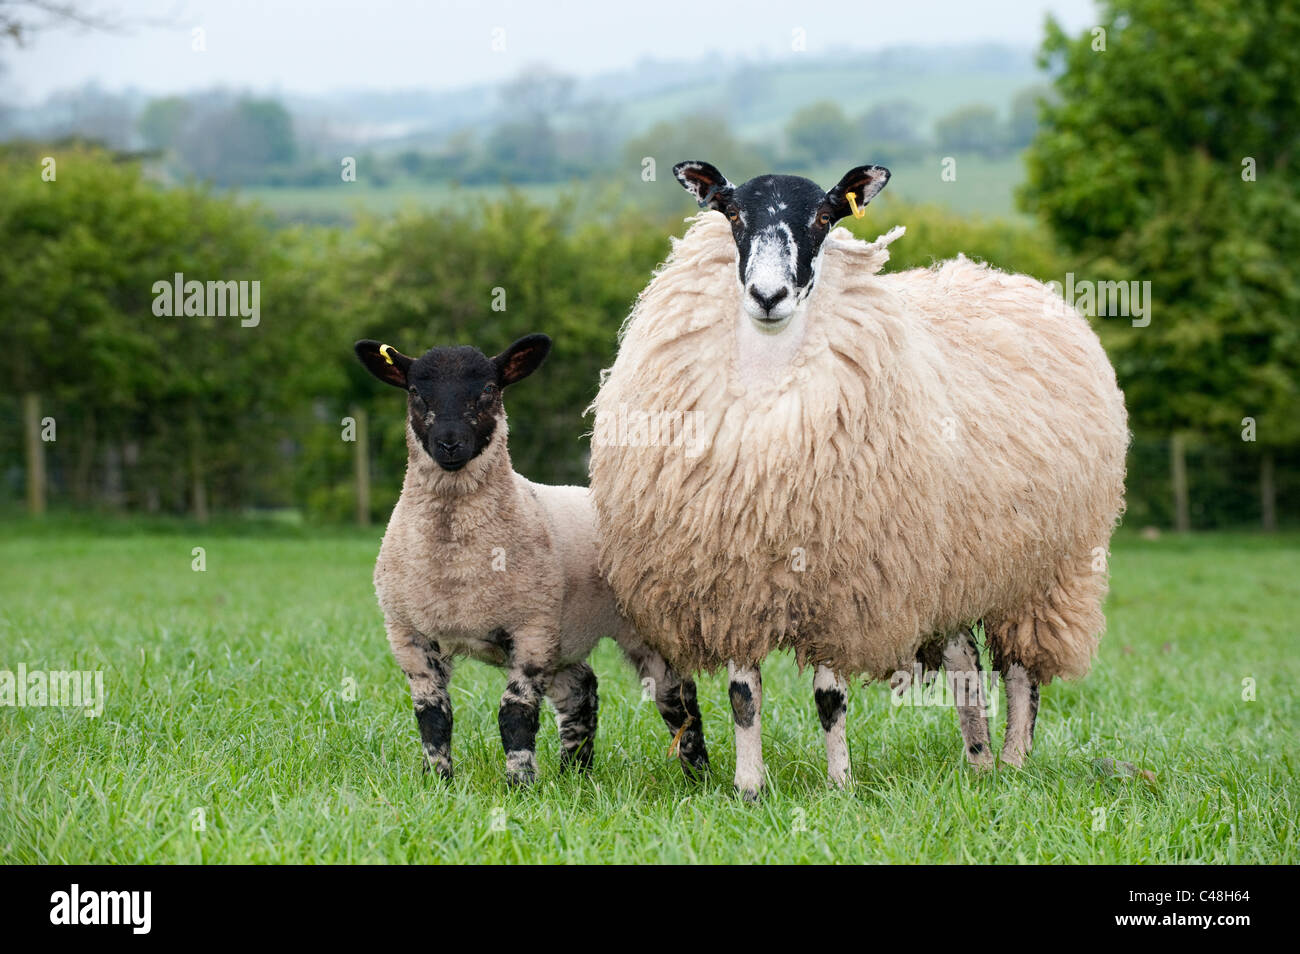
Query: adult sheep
865,464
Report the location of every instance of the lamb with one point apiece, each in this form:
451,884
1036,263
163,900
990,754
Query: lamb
478,561
880,462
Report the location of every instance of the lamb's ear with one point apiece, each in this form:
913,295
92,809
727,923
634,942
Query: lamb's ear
384,362
522,358
709,186
864,182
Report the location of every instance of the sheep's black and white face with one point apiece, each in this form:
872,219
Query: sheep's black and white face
779,223
454,394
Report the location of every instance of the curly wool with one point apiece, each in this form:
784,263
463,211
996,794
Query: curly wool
947,445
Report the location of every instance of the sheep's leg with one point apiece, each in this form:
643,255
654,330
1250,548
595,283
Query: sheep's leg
518,719
831,693
573,693
677,704
428,673
961,663
1022,714
746,691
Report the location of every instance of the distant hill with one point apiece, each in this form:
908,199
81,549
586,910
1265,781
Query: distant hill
418,147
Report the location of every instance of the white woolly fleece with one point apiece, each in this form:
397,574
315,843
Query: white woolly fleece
947,444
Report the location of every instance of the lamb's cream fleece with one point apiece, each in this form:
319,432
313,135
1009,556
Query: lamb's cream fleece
947,445
483,551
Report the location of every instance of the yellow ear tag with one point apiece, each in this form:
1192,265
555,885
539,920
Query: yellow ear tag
384,349
857,213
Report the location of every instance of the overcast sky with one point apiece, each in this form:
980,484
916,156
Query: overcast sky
313,46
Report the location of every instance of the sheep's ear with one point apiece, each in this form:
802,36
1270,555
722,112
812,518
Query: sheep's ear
384,362
522,358
709,186
864,182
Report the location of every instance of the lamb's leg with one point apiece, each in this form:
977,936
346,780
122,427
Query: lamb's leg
961,663
831,693
746,691
677,704
518,719
573,693
428,673
1022,714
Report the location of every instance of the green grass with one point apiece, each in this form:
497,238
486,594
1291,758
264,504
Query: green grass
224,692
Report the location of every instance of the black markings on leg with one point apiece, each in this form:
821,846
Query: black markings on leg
746,692
831,704
428,674
1033,710
676,701
435,720
573,693
742,704
518,719
680,710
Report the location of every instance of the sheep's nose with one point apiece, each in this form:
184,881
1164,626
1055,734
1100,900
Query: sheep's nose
448,447
768,302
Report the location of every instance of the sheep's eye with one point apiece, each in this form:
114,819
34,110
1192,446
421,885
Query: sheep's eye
733,214
489,388
824,219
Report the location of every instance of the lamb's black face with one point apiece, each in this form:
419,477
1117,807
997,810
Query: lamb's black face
779,223
454,394
454,404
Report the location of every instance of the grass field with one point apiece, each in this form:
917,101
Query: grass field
227,691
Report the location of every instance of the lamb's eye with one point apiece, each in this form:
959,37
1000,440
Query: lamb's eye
489,389
733,214
824,219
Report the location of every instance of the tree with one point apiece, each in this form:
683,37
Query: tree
1024,115
239,143
21,19
537,91
1171,156
820,131
180,408
162,121
973,128
893,121
522,150
701,136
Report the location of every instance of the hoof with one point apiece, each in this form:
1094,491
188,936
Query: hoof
579,761
1014,759
979,756
521,769
695,766
696,770
521,779
749,795
439,767
842,782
